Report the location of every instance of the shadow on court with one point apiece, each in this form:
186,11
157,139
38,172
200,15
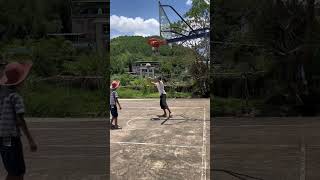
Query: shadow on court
68,149
145,149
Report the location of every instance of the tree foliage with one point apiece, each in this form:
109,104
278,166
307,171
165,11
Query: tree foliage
33,18
278,37
127,50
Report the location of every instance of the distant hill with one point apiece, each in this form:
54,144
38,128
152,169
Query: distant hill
128,49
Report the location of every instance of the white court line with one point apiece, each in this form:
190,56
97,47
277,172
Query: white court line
139,116
204,161
154,144
132,120
142,118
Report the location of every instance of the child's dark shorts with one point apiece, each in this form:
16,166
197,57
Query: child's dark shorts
114,111
163,101
12,157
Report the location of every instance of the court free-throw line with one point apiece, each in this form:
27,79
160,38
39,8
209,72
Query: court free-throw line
154,144
128,122
139,116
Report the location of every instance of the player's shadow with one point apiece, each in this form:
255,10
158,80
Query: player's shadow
179,121
175,120
155,119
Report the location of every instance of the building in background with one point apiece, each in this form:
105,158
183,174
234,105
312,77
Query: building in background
90,24
91,19
145,68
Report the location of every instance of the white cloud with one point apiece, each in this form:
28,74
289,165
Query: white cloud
189,2
134,26
141,34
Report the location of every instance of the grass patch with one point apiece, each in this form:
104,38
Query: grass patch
225,106
233,106
44,100
132,93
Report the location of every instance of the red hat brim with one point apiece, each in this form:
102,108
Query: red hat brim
21,72
117,84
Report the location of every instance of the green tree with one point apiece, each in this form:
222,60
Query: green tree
49,56
199,17
33,18
286,28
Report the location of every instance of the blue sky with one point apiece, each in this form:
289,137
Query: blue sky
140,17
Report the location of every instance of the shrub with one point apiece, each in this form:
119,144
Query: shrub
67,102
87,65
124,79
49,55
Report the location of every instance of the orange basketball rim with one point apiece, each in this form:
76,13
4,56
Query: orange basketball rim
156,43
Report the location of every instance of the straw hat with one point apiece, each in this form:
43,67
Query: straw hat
15,73
115,84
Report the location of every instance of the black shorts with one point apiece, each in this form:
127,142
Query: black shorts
163,101
114,111
12,157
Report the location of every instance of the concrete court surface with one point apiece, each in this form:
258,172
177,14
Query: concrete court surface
145,149
285,148
68,149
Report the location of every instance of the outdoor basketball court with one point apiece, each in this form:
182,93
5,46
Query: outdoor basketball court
145,149
68,149
267,148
